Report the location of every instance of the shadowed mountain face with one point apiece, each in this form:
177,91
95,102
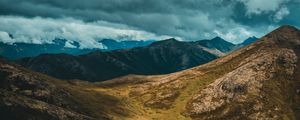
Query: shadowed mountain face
259,81
158,58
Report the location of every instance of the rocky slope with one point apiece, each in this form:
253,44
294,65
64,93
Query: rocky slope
158,58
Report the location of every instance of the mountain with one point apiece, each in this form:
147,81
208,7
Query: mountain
258,81
249,41
21,50
158,58
217,43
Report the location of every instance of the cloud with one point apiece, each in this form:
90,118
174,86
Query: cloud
281,13
187,19
234,35
260,6
4,36
43,30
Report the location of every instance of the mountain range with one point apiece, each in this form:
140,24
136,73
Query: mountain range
258,81
160,57
21,50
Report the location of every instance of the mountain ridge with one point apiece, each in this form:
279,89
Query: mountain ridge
157,58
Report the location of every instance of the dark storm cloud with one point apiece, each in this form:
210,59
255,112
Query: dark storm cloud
188,19
111,6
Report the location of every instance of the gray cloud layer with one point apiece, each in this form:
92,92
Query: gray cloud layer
233,20
40,30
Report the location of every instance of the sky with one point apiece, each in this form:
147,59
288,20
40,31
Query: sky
88,21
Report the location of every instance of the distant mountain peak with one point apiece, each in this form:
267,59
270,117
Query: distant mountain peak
249,40
218,39
253,37
167,41
217,43
171,39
